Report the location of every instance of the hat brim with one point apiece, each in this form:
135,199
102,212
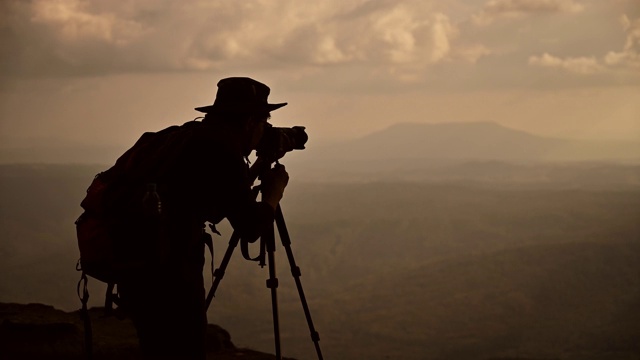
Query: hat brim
265,107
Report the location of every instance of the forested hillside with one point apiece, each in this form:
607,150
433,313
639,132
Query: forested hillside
410,270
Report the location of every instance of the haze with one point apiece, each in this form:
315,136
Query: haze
470,189
95,73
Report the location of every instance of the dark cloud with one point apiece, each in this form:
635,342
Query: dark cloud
76,38
44,43
407,42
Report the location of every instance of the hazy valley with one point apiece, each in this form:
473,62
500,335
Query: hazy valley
439,258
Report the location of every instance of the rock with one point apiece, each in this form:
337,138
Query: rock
37,331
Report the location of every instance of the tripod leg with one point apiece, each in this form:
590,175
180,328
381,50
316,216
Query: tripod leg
218,274
295,271
272,283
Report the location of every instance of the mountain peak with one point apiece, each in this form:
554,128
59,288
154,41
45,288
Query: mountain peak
470,140
461,128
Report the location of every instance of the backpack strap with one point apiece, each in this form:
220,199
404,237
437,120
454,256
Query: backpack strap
84,314
244,245
208,241
244,248
109,299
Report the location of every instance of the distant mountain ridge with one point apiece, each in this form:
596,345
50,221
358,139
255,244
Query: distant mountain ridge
401,141
472,141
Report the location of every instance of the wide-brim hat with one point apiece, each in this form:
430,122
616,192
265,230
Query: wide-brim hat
241,95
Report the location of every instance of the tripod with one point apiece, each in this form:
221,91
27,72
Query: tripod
268,239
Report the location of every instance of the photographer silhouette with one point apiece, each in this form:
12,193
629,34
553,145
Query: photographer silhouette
208,179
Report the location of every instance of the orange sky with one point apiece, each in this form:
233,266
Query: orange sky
96,72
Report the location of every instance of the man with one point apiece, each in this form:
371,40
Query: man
206,180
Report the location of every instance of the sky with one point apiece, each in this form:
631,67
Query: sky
95,72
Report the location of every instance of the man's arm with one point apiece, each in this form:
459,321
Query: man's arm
247,215
273,183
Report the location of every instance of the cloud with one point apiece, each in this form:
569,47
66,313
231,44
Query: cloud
495,9
89,37
580,65
472,53
74,22
626,59
630,54
416,41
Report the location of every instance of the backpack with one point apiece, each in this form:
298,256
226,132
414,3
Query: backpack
114,204
117,216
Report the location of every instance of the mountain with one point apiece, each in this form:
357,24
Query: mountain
399,142
387,264
471,141
479,152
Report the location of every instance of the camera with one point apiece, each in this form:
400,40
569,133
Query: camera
277,141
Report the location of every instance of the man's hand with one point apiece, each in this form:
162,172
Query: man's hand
273,183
